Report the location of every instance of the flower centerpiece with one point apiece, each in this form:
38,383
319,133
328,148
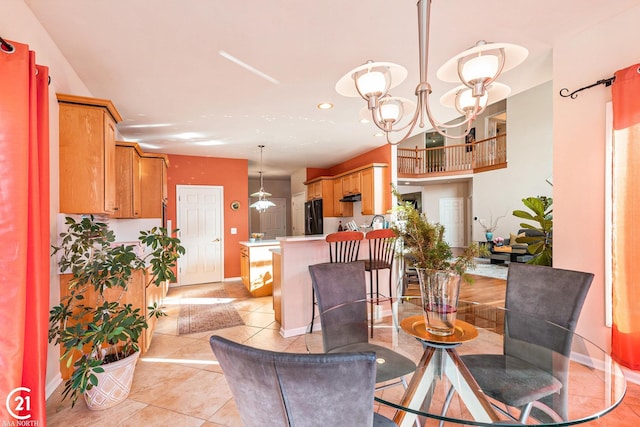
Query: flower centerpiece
439,271
498,241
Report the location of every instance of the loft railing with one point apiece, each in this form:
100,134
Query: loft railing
479,156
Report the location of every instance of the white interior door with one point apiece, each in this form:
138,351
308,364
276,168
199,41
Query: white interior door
452,217
297,214
273,221
200,219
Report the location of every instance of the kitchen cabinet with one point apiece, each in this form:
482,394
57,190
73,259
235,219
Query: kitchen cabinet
374,189
87,155
340,209
322,188
277,284
138,294
351,183
256,267
128,194
153,181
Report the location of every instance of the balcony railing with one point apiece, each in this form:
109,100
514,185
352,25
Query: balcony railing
479,156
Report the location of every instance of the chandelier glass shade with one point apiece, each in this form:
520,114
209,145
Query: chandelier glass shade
263,203
476,68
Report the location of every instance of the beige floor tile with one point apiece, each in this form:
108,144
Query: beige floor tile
160,417
178,382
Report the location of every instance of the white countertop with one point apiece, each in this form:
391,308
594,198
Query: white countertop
260,243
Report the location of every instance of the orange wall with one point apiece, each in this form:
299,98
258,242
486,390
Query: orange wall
233,175
381,154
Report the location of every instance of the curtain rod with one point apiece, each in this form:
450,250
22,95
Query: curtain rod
6,46
573,95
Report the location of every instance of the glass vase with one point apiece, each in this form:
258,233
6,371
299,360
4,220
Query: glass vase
439,290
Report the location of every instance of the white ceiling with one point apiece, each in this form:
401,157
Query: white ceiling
159,62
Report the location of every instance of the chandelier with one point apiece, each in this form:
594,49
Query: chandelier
263,203
476,68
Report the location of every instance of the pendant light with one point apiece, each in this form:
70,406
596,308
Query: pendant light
263,203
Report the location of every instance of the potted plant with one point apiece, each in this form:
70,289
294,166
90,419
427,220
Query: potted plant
540,245
439,272
92,324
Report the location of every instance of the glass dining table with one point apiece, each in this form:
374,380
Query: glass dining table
592,384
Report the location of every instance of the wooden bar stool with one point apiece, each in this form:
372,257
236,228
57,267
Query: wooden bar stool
344,246
382,249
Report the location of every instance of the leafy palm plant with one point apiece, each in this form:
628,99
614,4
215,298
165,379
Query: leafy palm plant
541,246
103,330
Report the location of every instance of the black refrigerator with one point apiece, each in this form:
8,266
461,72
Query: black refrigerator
313,217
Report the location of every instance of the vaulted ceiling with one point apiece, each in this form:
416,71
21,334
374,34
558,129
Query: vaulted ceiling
165,65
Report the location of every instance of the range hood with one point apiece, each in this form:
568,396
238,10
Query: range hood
351,198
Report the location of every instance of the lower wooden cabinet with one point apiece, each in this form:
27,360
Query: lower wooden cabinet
139,295
256,269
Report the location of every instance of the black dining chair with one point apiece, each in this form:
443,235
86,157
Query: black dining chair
341,293
289,389
527,376
382,249
344,246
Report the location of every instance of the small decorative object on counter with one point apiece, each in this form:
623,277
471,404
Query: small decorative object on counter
340,226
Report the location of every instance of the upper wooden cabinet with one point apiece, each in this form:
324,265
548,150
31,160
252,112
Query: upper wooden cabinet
87,155
370,181
340,208
374,191
128,194
322,188
351,183
153,182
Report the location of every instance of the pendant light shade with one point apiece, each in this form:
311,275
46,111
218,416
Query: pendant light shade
263,203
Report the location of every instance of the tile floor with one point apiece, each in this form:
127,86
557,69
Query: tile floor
178,383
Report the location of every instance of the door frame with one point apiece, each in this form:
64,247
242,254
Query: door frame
222,229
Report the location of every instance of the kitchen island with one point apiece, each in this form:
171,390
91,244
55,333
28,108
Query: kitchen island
256,269
293,284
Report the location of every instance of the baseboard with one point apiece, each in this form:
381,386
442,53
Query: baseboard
631,375
52,386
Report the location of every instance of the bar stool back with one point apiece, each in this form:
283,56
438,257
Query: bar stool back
382,249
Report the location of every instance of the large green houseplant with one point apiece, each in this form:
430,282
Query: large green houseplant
540,244
95,334
439,271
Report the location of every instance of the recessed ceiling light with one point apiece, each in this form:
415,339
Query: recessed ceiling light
378,134
364,121
325,106
189,135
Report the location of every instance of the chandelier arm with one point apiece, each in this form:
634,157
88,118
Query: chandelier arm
382,127
441,127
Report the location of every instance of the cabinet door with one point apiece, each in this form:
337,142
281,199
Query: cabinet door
153,181
127,182
368,192
351,184
87,164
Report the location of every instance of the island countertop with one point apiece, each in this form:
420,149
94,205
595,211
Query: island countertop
258,243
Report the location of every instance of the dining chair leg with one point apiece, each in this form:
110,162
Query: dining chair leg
313,309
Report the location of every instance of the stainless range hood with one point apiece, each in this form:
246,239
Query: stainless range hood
351,198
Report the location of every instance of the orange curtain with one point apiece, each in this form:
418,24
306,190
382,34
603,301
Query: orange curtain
625,340
24,234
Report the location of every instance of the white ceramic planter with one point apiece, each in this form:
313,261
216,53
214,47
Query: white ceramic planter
114,384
